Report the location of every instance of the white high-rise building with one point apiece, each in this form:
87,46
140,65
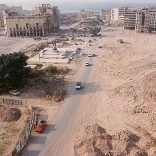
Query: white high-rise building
117,14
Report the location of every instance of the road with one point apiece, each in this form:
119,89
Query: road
50,142
66,115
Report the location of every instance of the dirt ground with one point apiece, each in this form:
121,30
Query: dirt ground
15,44
123,100
32,94
13,121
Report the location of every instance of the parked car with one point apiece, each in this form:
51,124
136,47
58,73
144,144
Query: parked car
86,64
40,126
91,55
14,92
78,86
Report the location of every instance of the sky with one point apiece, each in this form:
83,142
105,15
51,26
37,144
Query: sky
78,4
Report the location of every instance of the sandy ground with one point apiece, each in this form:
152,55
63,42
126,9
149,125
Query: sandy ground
125,97
11,132
47,109
122,90
15,44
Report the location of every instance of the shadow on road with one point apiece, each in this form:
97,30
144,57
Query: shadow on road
31,153
49,128
37,141
86,88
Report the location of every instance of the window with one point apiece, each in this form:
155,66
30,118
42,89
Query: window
27,25
16,26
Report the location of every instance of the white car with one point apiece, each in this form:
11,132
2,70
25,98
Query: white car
78,86
14,92
86,64
91,55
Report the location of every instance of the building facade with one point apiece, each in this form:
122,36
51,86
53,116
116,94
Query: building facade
45,20
146,20
118,14
105,15
115,14
2,7
130,18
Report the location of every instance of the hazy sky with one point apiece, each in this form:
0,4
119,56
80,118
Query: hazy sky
26,4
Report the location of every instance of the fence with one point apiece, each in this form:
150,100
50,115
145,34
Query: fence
20,145
23,141
12,101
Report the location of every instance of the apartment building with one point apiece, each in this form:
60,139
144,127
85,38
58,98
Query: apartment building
130,18
105,15
45,20
115,14
118,14
146,20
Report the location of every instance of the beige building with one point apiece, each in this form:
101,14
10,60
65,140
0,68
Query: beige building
146,20
17,9
105,15
130,18
2,7
1,20
118,14
44,21
115,14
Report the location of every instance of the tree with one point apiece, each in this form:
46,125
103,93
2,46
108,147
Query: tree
94,31
13,70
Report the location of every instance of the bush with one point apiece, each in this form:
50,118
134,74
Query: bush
59,95
94,31
50,70
34,73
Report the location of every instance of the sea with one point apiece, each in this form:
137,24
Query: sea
67,7
96,7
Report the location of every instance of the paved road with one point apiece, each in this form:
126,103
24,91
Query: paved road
48,143
65,117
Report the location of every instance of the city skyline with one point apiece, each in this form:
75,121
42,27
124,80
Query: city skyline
81,4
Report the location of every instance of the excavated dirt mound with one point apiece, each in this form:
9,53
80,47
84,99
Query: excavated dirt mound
8,114
99,143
